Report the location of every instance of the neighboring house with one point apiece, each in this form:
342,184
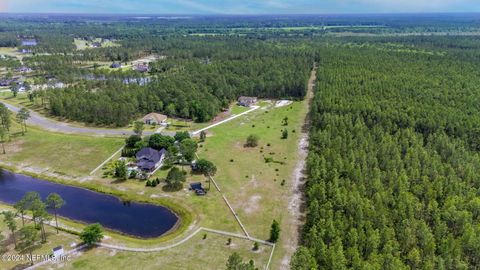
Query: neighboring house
141,68
149,159
8,82
115,65
140,81
155,119
96,44
246,101
29,42
25,51
58,85
24,69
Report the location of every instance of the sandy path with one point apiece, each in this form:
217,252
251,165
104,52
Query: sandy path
296,216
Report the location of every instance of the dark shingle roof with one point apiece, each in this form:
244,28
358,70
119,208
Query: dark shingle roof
148,157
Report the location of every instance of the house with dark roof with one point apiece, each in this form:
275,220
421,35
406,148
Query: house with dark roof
24,69
141,68
197,187
149,159
246,101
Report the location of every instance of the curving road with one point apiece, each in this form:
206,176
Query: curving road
38,120
41,121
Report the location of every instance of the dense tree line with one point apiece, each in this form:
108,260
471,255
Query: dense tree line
188,88
393,166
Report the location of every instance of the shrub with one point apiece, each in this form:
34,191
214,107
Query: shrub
252,140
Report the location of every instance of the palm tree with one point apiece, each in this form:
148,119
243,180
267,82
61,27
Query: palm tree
3,135
22,117
54,201
9,219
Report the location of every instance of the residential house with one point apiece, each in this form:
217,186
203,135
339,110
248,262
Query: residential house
149,159
115,65
29,42
141,68
246,101
96,44
24,69
155,119
25,51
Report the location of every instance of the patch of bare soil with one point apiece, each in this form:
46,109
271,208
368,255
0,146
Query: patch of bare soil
251,205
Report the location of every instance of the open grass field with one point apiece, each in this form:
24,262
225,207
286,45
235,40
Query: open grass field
195,254
11,51
67,155
253,186
257,190
82,44
53,240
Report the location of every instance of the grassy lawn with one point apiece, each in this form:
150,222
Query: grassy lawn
182,125
210,211
53,240
258,190
195,254
10,51
254,187
236,109
62,154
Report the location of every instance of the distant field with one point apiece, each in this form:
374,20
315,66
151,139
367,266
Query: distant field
82,44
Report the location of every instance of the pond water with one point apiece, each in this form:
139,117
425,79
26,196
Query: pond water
135,219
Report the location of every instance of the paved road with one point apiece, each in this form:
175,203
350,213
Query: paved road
226,120
43,122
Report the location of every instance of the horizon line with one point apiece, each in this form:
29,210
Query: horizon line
241,14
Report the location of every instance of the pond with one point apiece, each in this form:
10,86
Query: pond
131,218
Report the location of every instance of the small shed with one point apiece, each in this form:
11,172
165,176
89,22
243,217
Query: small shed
197,187
57,251
115,65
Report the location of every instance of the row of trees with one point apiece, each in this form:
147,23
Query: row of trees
393,163
32,203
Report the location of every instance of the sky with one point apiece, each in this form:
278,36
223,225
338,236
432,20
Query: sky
237,6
